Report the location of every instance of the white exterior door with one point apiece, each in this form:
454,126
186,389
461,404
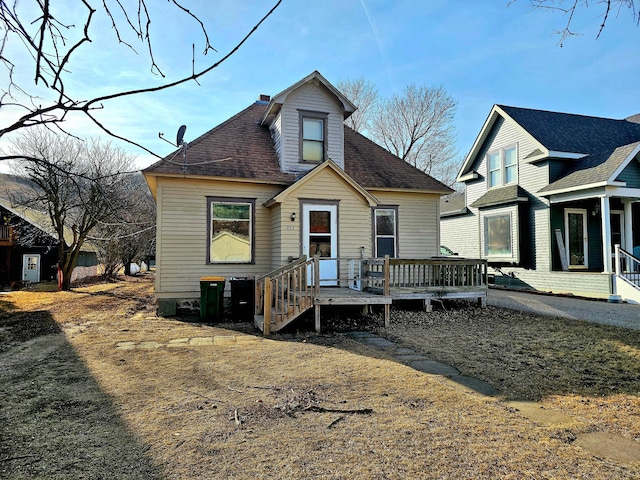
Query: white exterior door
320,237
31,268
575,222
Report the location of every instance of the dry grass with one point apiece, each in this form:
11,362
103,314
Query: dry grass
72,405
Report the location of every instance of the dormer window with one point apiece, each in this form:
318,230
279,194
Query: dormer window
313,127
502,166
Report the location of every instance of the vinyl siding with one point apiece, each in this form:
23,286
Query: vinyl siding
418,225
312,98
276,135
461,234
535,230
354,216
595,285
631,175
182,239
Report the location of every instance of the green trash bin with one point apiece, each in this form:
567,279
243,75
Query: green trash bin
211,299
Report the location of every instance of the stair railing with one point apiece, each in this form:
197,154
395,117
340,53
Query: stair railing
286,293
627,266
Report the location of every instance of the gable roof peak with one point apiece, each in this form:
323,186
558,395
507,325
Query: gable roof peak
634,118
316,78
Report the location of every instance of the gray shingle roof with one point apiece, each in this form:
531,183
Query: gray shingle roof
501,196
565,132
453,204
248,153
592,169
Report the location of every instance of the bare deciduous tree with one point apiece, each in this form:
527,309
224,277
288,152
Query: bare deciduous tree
417,125
570,8
48,36
78,184
130,236
364,95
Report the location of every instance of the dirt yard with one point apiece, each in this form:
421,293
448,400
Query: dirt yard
94,385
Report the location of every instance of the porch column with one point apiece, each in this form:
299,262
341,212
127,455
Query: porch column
628,226
606,234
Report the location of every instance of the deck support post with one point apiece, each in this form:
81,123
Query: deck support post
482,302
387,289
427,305
267,307
316,311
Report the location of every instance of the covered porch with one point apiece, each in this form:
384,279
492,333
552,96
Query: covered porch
586,226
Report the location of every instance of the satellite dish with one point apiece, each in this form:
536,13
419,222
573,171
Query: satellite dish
180,136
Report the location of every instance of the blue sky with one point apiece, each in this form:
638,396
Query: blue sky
481,51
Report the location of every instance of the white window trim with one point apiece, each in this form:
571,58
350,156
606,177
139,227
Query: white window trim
503,166
394,209
585,236
498,256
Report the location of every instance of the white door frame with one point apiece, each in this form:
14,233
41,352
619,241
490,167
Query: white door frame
585,239
28,274
328,268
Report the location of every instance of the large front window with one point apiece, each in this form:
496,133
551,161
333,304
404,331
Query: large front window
385,229
312,137
498,235
230,231
502,167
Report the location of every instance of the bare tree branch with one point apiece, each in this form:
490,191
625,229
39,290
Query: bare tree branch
569,9
47,45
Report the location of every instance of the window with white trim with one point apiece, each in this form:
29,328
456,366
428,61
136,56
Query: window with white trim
230,230
385,229
502,167
497,236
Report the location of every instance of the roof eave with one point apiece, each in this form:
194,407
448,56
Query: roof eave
412,190
577,188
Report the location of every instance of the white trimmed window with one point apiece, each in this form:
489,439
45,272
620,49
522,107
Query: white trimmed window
497,236
502,167
385,228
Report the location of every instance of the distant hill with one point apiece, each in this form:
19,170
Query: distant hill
12,185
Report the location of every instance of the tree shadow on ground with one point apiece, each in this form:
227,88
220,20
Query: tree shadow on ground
55,421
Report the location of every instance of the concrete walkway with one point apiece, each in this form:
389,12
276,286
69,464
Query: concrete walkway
598,311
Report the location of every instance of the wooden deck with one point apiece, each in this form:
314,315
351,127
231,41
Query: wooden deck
286,293
347,297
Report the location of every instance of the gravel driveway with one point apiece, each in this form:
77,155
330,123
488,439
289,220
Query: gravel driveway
598,311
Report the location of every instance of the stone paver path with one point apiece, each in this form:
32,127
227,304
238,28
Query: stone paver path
191,342
602,444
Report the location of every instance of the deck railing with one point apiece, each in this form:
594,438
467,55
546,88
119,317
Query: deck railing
432,274
285,293
6,233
